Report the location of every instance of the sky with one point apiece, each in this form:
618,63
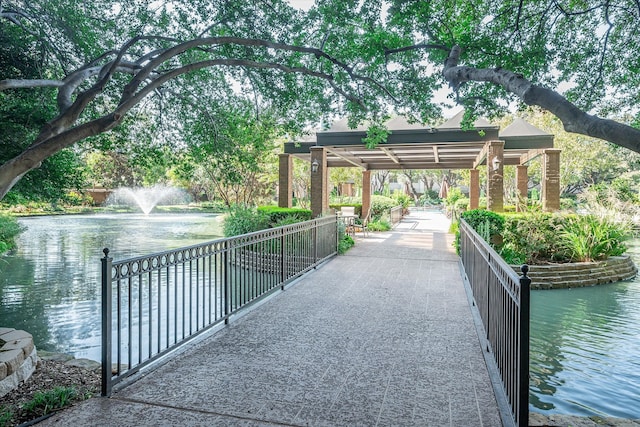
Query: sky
301,4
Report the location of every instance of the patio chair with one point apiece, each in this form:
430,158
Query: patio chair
364,225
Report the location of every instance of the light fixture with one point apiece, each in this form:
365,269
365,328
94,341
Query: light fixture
495,163
314,166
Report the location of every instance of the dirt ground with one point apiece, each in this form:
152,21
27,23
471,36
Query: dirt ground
48,375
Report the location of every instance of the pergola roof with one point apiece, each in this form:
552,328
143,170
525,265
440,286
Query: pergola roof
415,146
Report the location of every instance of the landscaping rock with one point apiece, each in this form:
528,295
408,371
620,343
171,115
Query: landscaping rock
55,357
89,365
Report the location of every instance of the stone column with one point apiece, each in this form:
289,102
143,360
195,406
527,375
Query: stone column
495,179
366,192
285,180
474,188
551,180
319,182
522,182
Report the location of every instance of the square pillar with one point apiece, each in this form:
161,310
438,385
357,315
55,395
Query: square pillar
495,179
285,181
366,192
551,180
522,183
474,188
319,182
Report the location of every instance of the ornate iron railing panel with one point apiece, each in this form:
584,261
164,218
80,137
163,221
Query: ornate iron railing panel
502,300
152,304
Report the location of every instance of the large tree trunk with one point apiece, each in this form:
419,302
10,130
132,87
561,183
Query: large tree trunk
32,157
573,119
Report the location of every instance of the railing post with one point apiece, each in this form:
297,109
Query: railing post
283,261
524,321
106,322
314,238
227,285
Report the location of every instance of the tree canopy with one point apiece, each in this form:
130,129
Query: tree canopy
150,68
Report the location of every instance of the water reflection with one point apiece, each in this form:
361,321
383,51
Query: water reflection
585,345
51,287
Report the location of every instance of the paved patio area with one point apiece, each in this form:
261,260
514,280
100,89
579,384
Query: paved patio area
382,336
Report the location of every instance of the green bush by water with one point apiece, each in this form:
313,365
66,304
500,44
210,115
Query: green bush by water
242,220
588,238
9,230
539,237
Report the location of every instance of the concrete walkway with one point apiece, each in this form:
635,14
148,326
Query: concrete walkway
382,336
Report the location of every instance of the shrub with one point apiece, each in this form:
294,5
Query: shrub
277,214
9,230
241,220
380,225
345,243
381,205
540,237
588,238
533,237
480,219
430,197
402,199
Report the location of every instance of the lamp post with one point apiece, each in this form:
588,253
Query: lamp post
314,166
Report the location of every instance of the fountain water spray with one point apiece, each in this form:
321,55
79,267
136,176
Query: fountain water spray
146,198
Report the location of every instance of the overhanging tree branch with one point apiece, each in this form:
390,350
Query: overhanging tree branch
573,119
149,72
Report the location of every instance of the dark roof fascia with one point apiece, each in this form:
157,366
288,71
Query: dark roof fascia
410,136
298,147
527,142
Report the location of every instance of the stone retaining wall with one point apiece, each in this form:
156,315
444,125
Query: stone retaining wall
581,274
18,358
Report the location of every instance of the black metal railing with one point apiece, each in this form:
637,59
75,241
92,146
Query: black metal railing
503,301
153,304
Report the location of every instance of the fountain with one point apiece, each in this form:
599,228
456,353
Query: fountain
146,198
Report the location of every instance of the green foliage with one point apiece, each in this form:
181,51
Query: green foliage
491,223
6,415
429,198
587,238
243,220
291,215
402,198
380,206
376,134
454,194
534,237
380,225
345,243
541,237
456,203
46,402
9,230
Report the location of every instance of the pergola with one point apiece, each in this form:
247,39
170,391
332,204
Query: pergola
414,146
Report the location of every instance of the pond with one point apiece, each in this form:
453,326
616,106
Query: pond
585,349
50,286
585,343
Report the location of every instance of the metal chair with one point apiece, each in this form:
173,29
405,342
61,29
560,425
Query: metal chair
364,226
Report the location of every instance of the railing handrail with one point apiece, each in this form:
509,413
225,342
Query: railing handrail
212,280
485,270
